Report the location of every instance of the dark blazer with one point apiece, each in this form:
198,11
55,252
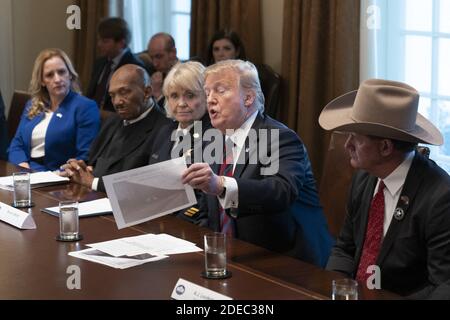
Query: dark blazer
99,65
73,127
415,254
136,150
281,211
162,149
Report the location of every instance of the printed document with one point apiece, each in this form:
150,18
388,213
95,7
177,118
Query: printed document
149,192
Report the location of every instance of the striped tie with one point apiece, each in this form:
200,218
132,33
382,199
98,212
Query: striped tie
226,169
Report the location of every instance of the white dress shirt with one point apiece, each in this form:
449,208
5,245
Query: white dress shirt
394,186
38,136
231,197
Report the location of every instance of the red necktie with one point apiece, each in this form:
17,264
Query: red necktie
226,169
374,235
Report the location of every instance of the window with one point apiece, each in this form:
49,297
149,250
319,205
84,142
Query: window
409,41
147,17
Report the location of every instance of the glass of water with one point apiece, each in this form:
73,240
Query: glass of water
22,190
344,289
215,255
68,221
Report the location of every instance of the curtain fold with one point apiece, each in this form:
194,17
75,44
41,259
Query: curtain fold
86,38
243,17
320,61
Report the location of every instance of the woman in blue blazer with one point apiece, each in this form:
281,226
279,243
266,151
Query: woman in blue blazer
57,123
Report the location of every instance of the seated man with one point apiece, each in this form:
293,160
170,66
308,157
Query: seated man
114,36
397,231
125,139
273,204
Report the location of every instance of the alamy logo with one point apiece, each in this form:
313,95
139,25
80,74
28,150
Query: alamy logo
74,20
74,280
261,147
374,280
374,17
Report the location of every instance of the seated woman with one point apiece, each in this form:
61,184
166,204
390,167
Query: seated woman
57,123
224,45
185,104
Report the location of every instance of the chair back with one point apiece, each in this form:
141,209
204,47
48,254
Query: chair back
18,101
335,183
271,87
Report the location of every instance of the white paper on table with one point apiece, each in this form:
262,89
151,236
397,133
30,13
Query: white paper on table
155,244
86,209
37,179
149,192
116,262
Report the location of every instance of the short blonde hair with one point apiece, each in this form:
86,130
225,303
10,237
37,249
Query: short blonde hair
248,77
187,76
39,94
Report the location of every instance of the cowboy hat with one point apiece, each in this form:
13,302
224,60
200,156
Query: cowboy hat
381,108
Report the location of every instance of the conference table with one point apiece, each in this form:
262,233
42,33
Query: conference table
36,266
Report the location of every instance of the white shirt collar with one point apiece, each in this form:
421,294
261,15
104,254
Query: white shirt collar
395,181
239,135
186,130
142,116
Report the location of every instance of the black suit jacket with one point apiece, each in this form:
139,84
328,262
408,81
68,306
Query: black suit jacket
280,211
415,254
99,65
136,151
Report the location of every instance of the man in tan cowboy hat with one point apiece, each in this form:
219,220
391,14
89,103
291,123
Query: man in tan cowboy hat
398,212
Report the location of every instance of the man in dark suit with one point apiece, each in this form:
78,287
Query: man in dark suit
126,138
396,235
114,37
273,204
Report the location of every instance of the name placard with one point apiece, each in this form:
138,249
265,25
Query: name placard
185,290
16,217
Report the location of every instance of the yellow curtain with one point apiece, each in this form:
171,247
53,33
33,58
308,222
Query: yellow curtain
243,17
320,61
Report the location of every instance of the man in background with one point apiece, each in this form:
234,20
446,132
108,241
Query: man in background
114,36
163,55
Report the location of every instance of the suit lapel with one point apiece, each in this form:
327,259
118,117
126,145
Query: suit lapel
409,191
249,150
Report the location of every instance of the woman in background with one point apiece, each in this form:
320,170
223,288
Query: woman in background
225,44
57,123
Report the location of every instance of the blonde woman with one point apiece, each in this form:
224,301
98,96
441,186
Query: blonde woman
185,103
57,123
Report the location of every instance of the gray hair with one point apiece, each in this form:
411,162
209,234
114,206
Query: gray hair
188,76
248,77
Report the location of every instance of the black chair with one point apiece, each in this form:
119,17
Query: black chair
18,102
271,87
